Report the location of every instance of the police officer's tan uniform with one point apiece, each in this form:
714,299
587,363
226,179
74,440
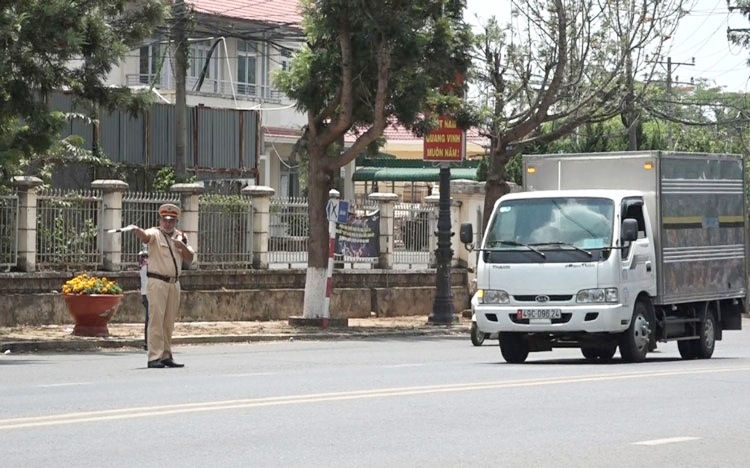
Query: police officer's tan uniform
163,289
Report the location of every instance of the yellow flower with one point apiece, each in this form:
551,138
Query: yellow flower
85,284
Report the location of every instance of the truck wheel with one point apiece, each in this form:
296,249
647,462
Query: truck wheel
477,337
704,347
514,347
635,341
601,355
688,349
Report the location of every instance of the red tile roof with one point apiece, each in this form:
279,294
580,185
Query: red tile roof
272,11
392,133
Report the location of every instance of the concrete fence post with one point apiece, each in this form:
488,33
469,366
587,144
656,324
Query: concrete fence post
112,191
387,206
261,200
26,187
190,202
471,195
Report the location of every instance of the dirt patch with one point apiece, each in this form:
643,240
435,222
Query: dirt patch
187,329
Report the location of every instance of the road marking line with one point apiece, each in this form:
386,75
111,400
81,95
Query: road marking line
71,384
396,366
151,411
252,374
670,440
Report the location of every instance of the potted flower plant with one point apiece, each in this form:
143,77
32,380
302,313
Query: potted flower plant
91,301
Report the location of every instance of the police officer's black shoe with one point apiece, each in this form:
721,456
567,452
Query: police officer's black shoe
156,364
169,362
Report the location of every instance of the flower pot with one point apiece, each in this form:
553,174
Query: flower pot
92,312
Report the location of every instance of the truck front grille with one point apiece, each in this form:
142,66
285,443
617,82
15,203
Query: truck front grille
552,297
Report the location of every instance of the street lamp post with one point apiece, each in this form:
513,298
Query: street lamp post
442,309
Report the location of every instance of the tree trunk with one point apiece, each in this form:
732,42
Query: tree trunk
496,185
317,247
180,108
632,115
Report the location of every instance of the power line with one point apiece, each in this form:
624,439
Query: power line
708,40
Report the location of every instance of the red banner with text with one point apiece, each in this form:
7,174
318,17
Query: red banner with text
447,143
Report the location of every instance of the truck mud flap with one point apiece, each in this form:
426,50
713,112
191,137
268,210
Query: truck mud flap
730,314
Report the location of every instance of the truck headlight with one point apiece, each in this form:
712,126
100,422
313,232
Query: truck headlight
492,296
597,295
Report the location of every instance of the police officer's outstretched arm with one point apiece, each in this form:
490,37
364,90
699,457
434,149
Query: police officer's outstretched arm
140,233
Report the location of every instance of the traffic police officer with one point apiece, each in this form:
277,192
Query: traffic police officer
168,248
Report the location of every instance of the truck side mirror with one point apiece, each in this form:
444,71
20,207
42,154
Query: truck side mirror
467,235
629,230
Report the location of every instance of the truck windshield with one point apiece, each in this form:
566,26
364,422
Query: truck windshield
552,223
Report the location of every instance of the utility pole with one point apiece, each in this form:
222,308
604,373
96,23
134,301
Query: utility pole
179,16
670,104
738,35
670,100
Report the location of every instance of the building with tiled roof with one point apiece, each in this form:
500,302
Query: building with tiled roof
409,177
235,47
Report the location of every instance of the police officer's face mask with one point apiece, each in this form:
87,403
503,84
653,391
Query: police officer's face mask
168,224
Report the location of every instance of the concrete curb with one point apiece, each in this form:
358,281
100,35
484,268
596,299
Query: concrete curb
83,344
74,344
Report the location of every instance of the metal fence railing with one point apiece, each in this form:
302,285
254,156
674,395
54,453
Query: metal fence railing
411,234
141,209
70,235
289,229
225,224
8,231
69,232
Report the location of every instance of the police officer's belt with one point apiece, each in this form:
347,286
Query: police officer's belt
167,279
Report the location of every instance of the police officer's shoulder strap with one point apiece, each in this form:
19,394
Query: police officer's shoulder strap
176,271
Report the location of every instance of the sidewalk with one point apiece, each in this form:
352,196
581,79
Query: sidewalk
58,338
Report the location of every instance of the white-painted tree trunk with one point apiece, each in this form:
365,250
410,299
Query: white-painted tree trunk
315,292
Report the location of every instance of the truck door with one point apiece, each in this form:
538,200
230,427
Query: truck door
638,263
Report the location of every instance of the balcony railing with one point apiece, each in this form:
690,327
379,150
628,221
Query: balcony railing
218,88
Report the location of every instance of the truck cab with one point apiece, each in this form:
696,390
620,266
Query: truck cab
554,266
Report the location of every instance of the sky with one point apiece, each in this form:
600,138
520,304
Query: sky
702,34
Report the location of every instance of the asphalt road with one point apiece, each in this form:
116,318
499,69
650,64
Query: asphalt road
411,402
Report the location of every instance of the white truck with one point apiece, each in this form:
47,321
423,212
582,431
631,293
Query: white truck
621,249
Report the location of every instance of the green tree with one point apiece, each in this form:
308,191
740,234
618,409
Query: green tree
56,45
367,64
703,118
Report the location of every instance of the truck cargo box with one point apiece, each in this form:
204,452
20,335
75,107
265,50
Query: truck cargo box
696,203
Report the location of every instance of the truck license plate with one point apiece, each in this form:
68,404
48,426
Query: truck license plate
533,314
